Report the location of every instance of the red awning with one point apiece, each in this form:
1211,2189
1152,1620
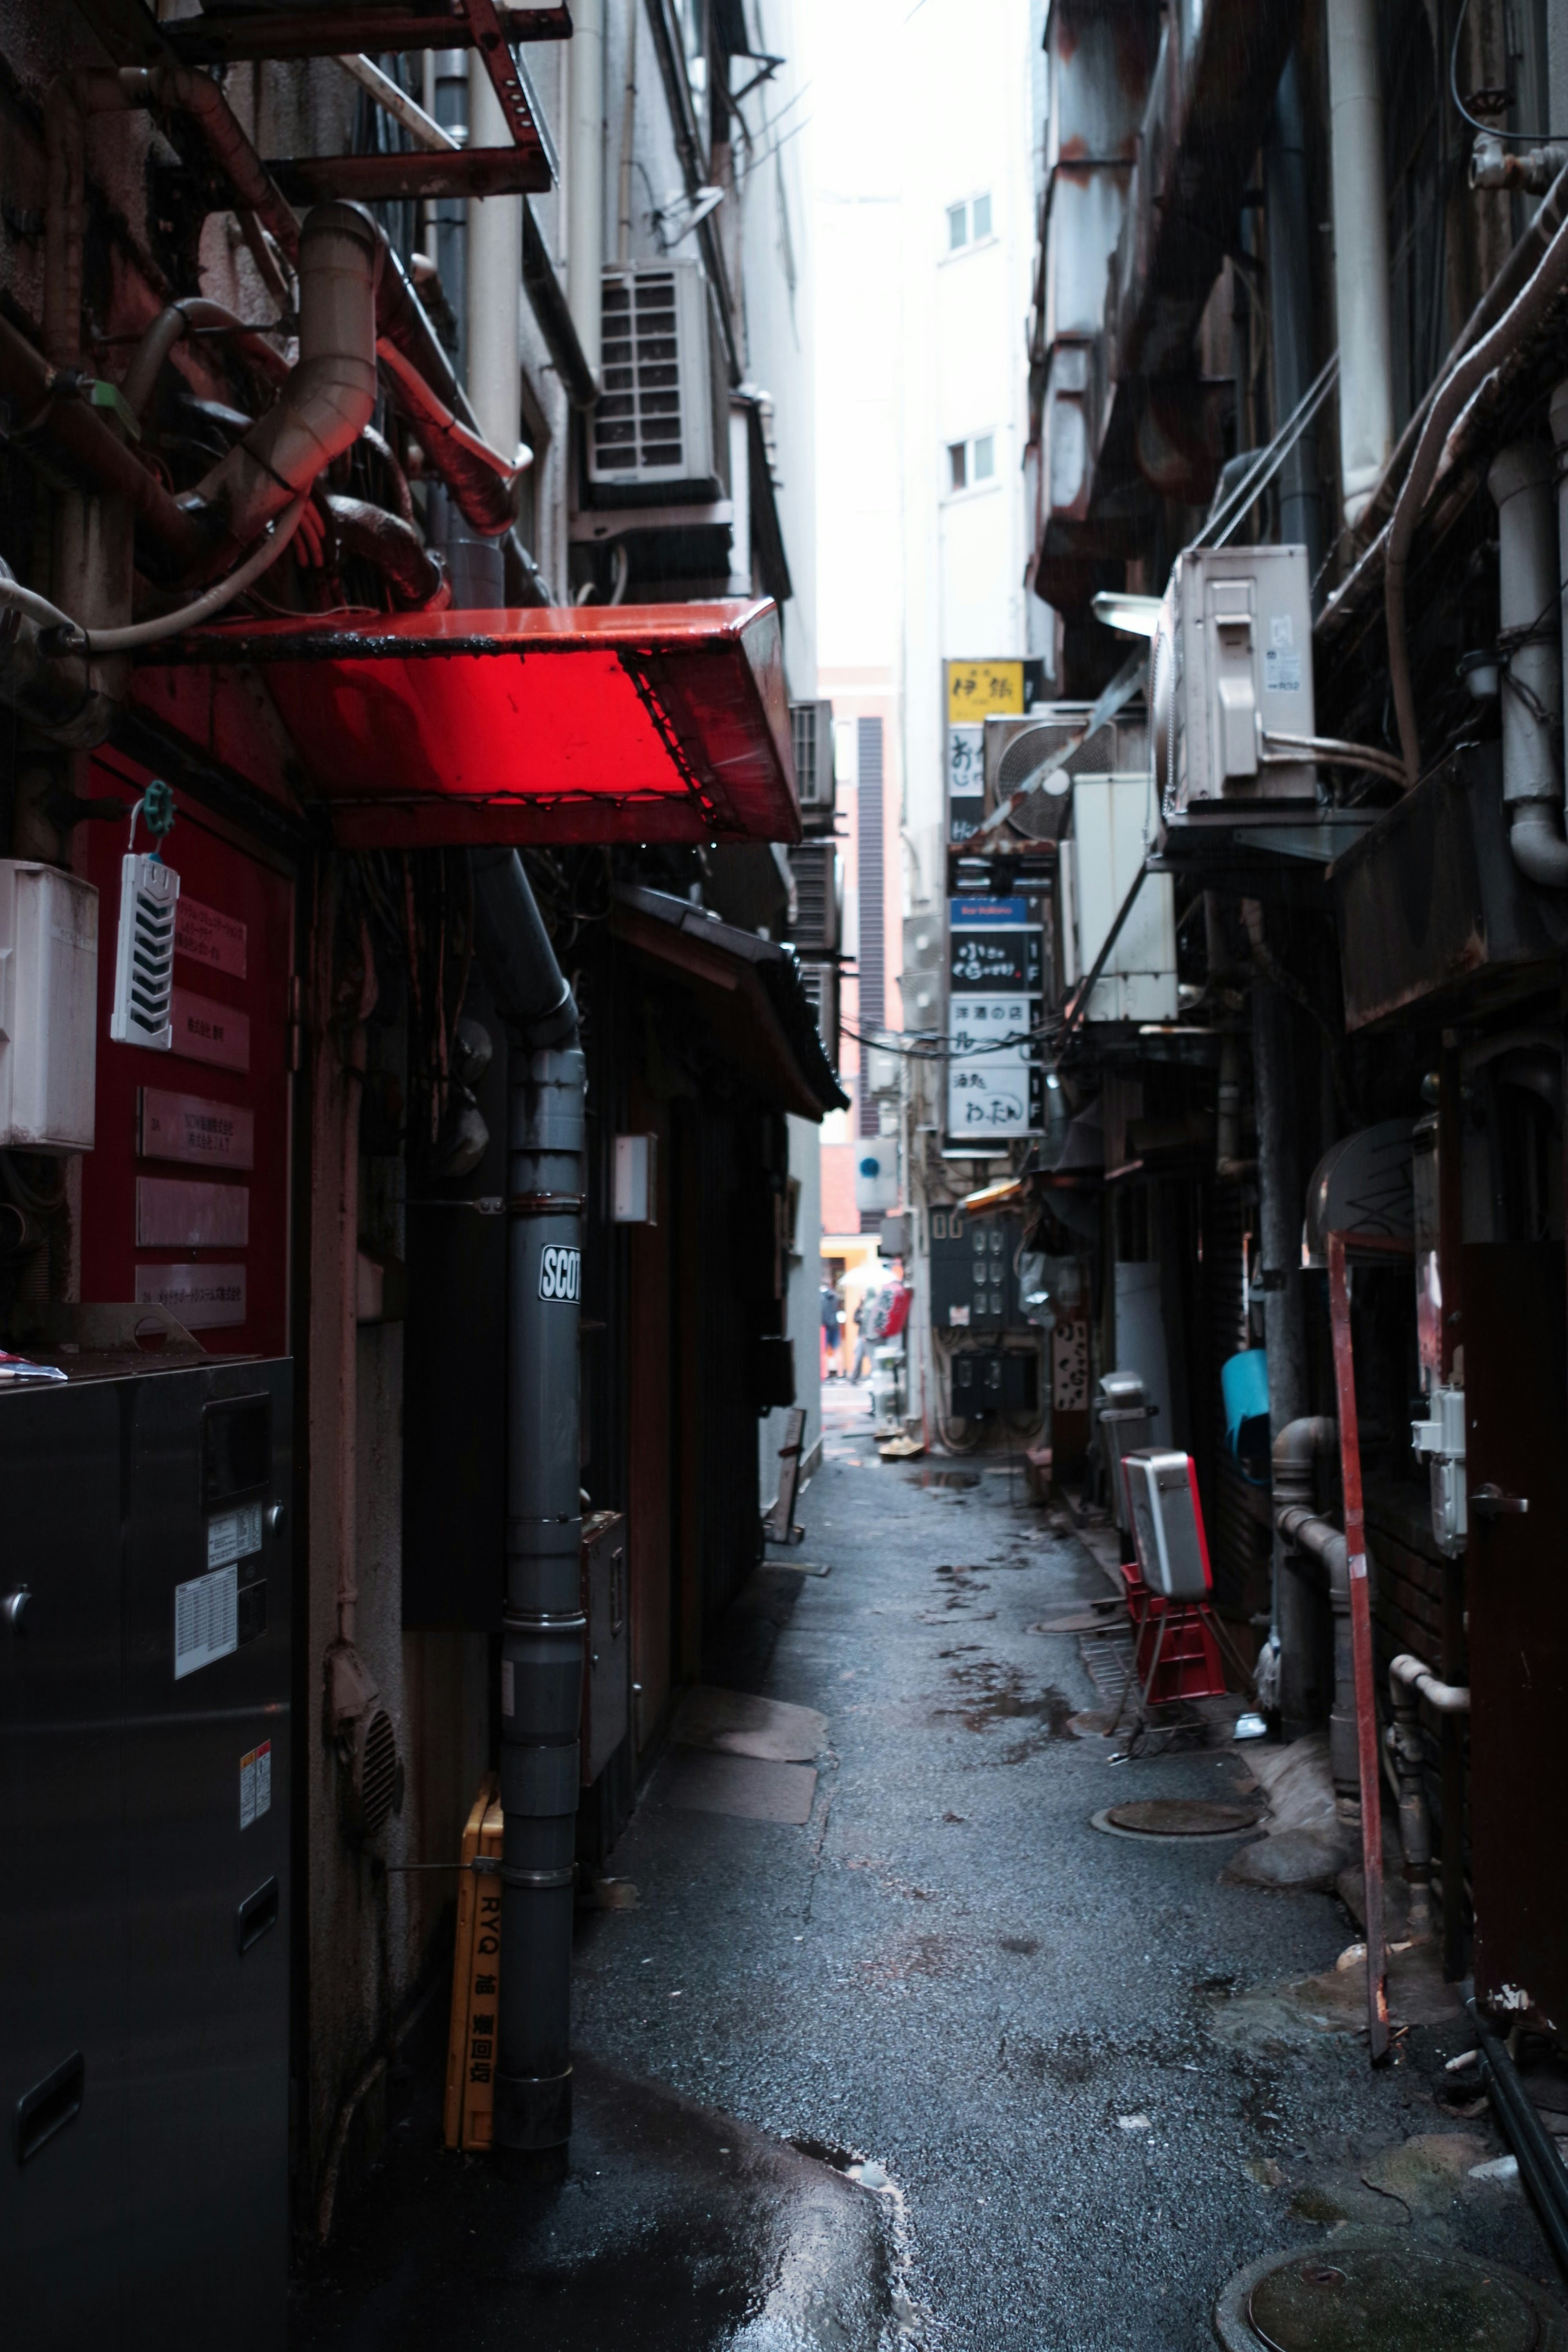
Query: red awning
577,723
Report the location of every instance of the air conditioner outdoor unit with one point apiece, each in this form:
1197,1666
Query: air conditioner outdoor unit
652,425
820,982
811,736
1231,665
815,867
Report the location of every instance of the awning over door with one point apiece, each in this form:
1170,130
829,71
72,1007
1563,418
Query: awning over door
748,992
577,723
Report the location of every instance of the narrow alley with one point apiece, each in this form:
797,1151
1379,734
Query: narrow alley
1082,2078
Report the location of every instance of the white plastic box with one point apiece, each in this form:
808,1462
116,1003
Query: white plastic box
48,1007
1167,1523
1232,665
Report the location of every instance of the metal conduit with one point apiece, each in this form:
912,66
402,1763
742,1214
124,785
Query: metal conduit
542,1623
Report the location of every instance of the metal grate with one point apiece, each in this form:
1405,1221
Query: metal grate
637,418
814,864
378,1773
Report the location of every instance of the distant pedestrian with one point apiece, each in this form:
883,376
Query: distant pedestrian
863,1344
831,1321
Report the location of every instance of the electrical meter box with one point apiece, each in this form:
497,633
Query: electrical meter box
1167,1523
48,1007
1231,666
973,1286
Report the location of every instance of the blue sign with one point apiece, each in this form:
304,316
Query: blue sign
964,914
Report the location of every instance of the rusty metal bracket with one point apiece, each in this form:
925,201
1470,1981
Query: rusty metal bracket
510,79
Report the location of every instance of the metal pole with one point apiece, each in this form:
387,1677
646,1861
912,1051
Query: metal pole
1361,1641
542,1622
1294,1605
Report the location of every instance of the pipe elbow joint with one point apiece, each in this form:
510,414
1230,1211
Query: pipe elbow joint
1540,851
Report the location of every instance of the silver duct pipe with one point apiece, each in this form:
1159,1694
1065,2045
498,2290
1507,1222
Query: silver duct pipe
1521,481
1409,1677
542,1623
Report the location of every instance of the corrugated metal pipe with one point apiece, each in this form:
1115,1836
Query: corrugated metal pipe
542,1622
1296,1449
1531,659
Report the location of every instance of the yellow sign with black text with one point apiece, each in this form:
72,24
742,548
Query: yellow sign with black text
978,690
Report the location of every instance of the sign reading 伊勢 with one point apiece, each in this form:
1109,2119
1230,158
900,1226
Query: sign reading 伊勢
561,1274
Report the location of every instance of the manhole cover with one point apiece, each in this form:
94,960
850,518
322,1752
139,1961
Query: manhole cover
1182,1817
1385,2299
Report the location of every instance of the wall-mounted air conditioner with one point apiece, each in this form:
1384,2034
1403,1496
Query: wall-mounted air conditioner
811,736
815,867
920,981
820,982
1231,665
651,429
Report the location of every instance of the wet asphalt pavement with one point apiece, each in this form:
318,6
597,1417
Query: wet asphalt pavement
1055,2058
950,1970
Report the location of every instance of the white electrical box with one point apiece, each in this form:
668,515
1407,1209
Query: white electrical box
636,1179
1167,1523
142,1010
1111,832
876,1172
1231,666
48,1007
652,423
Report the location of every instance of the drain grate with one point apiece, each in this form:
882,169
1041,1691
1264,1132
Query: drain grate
1176,1817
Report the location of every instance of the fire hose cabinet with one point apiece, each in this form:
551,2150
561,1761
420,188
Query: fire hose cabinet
144,1808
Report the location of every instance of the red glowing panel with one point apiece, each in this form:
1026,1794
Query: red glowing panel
574,724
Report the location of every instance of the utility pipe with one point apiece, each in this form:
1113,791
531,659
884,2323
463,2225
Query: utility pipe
1408,1677
494,281
542,1622
415,573
172,325
1291,308
331,395
1557,414
479,478
585,178
1361,250
1298,1447
1539,2162
1451,397
422,128
1293,1605
1529,641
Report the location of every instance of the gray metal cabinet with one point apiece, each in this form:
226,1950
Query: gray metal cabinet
143,1857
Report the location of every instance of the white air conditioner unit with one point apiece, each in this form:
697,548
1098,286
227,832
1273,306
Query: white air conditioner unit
1231,666
812,737
820,982
652,429
814,865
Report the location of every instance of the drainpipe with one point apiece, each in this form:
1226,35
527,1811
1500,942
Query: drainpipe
542,1624
1298,1446
1229,1164
1291,310
1521,481
1360,251
585,178
1409,1678
494,290
1279,1199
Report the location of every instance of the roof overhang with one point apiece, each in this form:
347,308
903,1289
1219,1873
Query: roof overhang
577,723
748,991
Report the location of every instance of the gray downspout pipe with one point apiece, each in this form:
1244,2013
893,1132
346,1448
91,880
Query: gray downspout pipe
1291,308
1530,641
1297,1526
1279,1203
542,1621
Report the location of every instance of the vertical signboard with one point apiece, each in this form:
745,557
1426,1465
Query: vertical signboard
996,965
973,691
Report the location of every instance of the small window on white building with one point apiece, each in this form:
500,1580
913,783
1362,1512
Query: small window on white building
970,463
957,226
981,218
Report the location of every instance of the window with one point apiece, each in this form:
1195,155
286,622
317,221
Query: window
968,223
971,463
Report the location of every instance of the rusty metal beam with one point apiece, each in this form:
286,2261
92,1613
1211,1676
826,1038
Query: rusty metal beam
384,179
509,78
376,31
